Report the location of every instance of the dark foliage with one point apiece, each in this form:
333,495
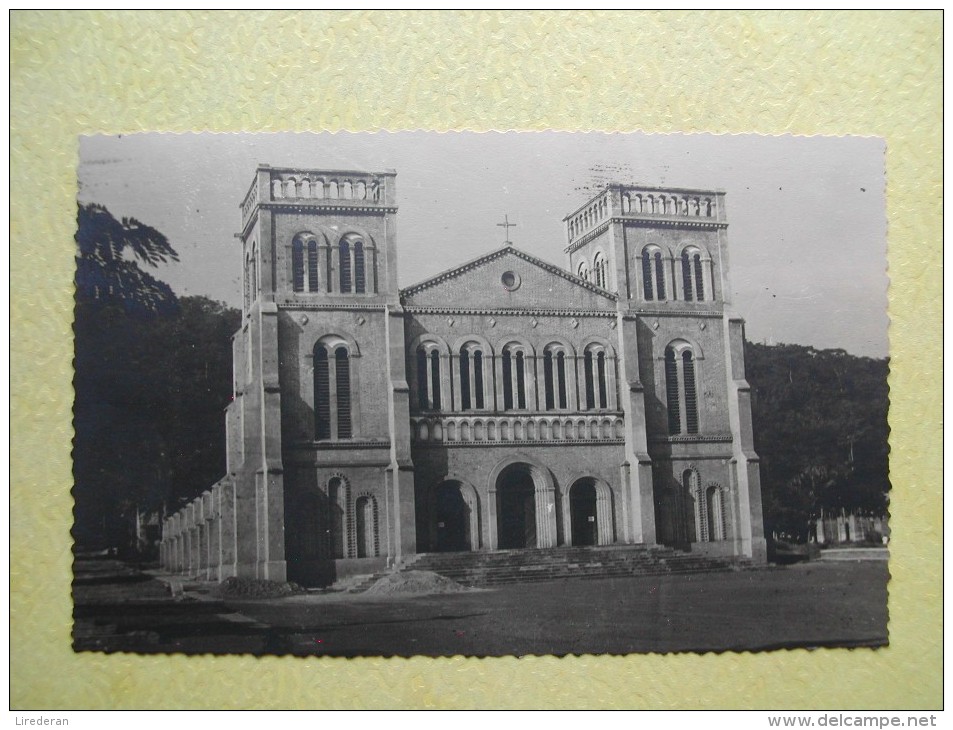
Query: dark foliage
820,426
152,377
107,267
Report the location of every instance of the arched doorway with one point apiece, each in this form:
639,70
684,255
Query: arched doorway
366,515
516,508
452,516
582,508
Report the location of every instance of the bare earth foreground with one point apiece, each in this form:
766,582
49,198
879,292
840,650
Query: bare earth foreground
808,605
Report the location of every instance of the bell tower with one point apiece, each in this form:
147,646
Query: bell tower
321,392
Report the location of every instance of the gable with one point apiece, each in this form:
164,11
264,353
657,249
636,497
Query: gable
508,279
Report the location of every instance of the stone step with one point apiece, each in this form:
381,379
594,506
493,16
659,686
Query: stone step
535,565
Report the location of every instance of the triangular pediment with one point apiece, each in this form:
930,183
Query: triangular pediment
508,279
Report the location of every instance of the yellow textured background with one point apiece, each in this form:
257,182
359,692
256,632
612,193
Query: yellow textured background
871,73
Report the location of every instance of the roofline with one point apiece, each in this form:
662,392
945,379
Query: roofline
324,171
554,268
659,188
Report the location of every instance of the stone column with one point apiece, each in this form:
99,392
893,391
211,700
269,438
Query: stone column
545,497
668,272
492,536
446,392
604,531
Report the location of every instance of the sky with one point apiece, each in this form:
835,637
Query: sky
807,220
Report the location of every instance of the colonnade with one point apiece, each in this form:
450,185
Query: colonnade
199,540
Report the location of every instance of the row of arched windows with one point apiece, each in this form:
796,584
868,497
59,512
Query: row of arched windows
661,204
680,389
584,220
467,380
709,507
313,265
334,527
658,282
319,188
598,274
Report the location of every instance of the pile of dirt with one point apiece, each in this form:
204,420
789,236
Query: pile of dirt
415,581
253,588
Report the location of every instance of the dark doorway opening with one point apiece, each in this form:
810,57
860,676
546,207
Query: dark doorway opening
516,508
453,519
582,506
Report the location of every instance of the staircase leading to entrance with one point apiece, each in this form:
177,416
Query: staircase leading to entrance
480,569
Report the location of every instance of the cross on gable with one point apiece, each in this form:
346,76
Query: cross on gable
507,225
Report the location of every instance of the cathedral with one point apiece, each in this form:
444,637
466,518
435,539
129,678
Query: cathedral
504,404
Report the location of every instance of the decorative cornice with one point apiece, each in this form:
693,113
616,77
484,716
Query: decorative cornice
521,442
645,221
337,445
671,221
642,312
500,253
712,438
336,207
418,309
286,305
588,236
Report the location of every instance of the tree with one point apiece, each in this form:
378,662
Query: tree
107,267
820,424
152,377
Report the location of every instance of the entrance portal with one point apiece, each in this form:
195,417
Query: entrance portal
516,508
582,506
453,519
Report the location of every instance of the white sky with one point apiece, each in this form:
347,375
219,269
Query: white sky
807,222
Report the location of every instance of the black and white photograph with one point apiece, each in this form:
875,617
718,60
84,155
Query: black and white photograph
479,394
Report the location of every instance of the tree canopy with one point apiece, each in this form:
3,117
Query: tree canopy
820,428
152,378
107,266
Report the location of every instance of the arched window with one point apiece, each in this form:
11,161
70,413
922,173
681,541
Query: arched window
297,264
647,275
304,259
312,265
596,373
715,513
471,377
671,392
692,490
428,377
659,276
600,268
322,394
680,389
514,378
360,284
343,381
653,273
344,264
554,377
693,280
583,271
339,499
365,518
332,392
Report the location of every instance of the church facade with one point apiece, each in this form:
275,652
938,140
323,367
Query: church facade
506,403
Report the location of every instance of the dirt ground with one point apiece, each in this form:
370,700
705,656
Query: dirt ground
820,604
807,605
